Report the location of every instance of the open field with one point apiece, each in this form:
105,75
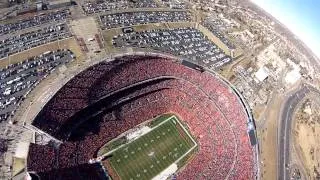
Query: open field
151,153
306,135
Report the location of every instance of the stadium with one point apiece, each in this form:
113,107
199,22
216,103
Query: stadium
155,89
142,117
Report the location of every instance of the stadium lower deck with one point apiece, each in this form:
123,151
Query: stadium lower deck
110,98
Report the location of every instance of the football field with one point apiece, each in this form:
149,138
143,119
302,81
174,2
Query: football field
151,153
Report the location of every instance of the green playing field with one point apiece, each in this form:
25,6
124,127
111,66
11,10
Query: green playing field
150,154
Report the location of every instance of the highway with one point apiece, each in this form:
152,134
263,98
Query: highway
287,113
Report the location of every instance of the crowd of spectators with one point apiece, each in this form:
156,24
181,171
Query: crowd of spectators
46,162
17,80
143,17
47,166
37,20
189,43
99,6
76,92
18,43
209,108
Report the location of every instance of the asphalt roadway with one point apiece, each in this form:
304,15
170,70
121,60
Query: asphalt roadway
285,129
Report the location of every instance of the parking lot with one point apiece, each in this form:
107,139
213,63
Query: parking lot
32,21
214,30
187,43
32,39
104,6
17,80
135,18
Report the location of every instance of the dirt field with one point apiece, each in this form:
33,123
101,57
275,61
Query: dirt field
267,135
69,43
306,136
86,28
257,111
107,36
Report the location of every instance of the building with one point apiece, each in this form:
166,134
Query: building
262,74
58,4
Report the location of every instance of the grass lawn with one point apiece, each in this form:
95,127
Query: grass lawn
150,154
18,165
